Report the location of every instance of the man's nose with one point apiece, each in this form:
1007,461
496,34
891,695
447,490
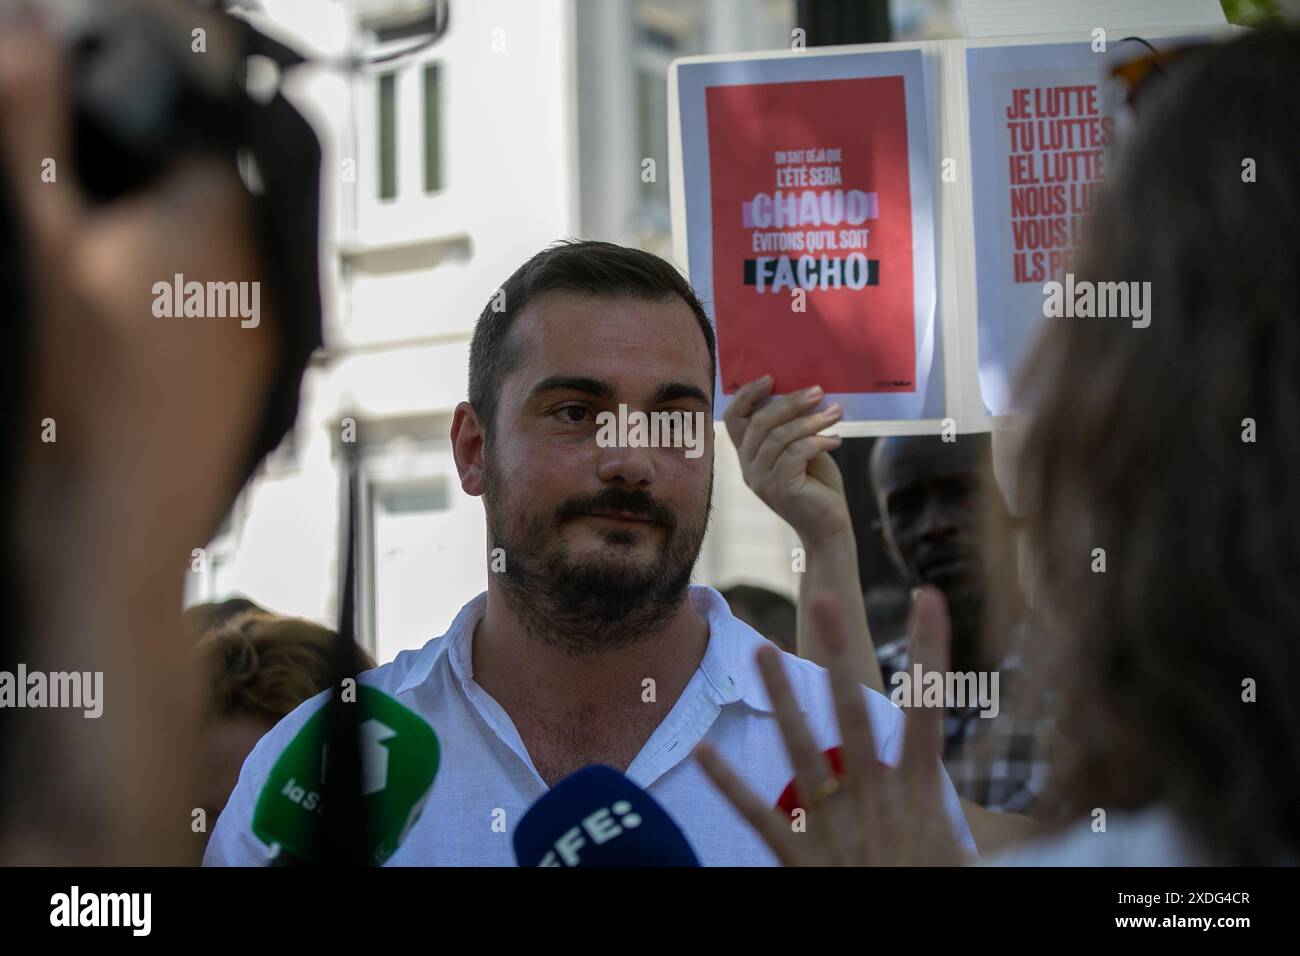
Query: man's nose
936,520
630,465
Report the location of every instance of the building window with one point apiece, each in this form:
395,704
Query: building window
432,128
387,129
414,30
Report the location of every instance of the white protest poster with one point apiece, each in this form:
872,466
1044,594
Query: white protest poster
1042,122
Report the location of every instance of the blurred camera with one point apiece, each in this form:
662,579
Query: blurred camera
152,83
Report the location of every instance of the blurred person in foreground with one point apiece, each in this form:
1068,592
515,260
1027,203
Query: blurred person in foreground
259,667
157,423
590,646
1178,662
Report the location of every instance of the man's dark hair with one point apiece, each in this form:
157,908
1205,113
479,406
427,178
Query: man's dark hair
596,268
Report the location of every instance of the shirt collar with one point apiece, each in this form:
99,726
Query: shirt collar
728,665
454,645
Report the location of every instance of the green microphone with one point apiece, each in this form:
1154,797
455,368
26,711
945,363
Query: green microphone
399,759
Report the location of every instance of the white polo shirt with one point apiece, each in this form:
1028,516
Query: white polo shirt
485,769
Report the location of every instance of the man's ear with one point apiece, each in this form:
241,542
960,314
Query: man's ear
467,447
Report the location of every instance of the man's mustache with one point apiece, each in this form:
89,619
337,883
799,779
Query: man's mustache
638,503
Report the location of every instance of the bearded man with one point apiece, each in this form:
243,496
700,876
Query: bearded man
590,645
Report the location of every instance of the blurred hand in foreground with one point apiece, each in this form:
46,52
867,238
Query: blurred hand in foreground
873,815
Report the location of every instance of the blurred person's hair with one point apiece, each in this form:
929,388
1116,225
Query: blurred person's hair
201,618
263,665
14,383
595,268
1136,446
771,614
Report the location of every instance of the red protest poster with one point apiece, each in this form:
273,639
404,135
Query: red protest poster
812,234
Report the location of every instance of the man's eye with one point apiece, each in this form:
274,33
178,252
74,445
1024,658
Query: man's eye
958,489
904,507
574,414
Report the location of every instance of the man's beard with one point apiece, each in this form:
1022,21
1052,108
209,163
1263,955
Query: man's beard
605,602
967,618
967,615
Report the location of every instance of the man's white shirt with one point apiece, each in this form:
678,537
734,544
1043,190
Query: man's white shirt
485,774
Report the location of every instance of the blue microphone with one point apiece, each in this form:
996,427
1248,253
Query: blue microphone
599,818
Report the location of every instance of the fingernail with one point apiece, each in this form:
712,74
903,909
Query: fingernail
814,392
765,380
833,410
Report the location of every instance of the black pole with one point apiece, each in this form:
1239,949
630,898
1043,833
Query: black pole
836,22
344,831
